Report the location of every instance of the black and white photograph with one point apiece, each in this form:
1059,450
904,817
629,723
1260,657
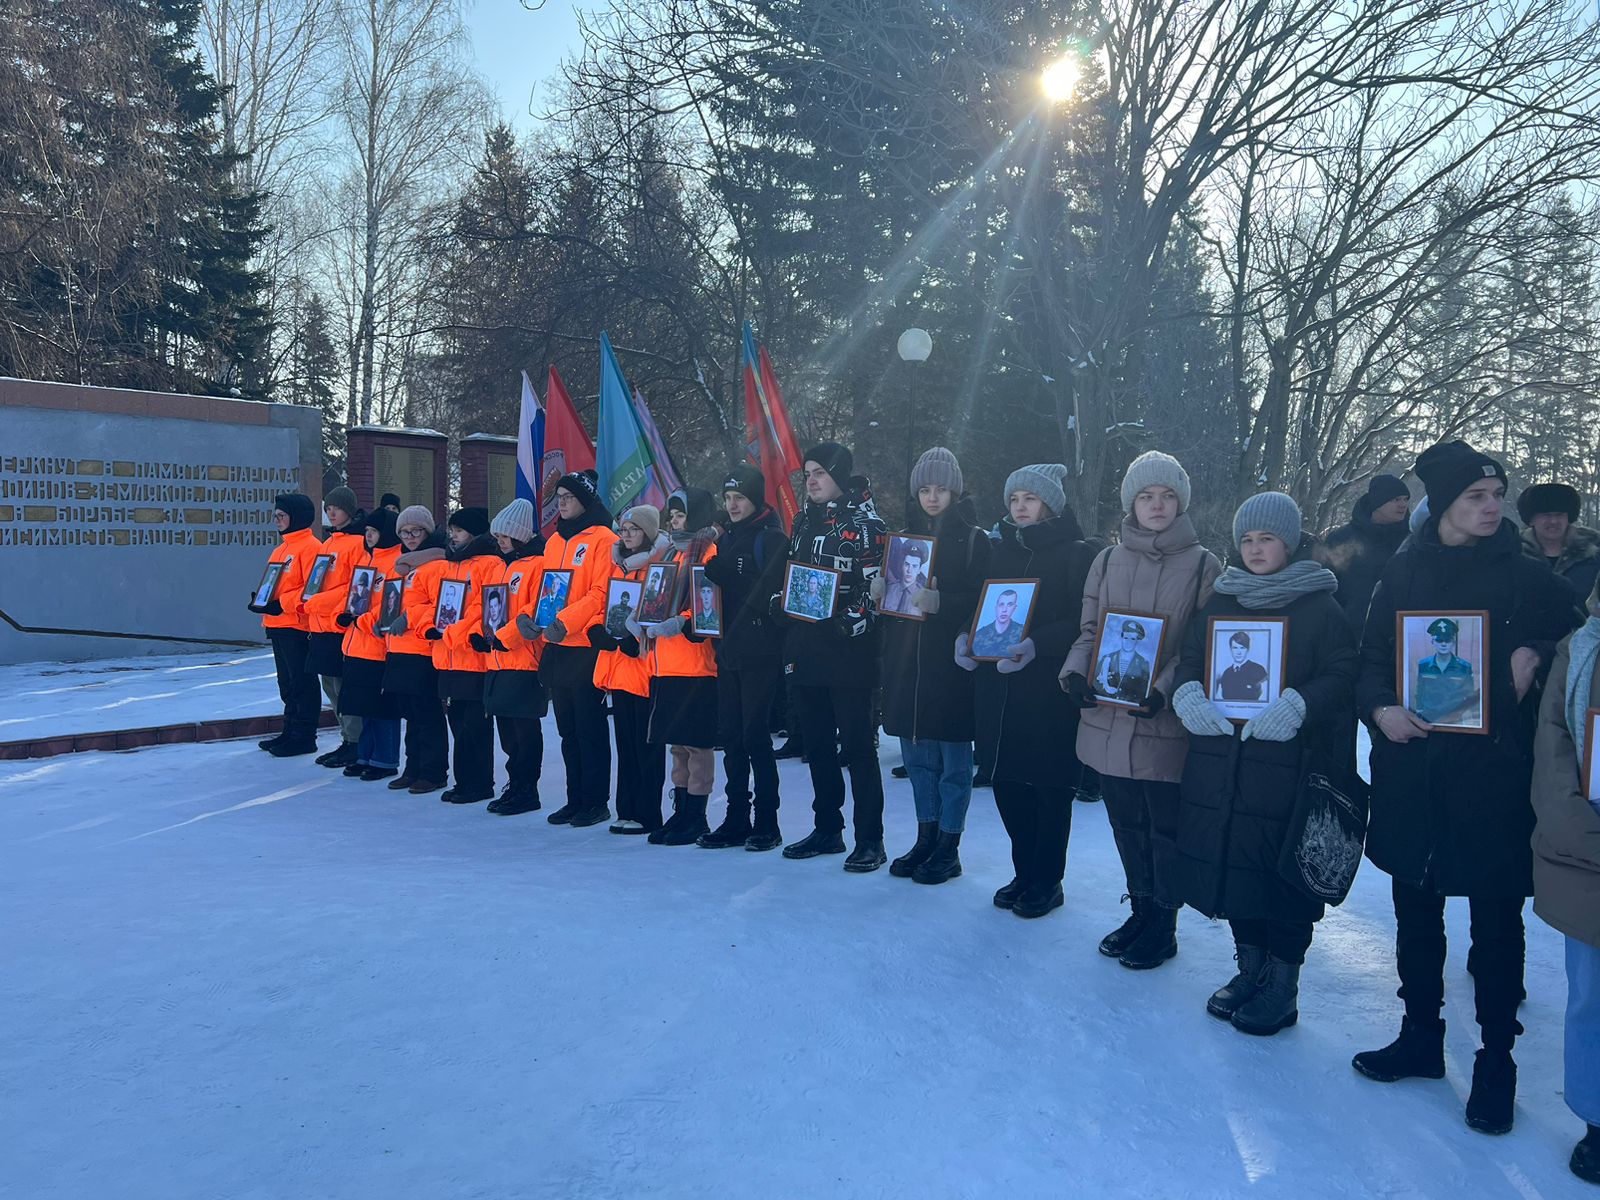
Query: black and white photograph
908,566
622,605
496,607
660,597
1127,653
705,604
810,593
452,603
268,587
317,575
1005,609
1244,663
394,591
364,581
1443,668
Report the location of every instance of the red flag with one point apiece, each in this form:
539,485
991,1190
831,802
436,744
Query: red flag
567,447
769,439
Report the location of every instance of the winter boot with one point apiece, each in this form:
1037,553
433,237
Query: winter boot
373,774
354,770
1491,1107
421,787
927,833
269,743
791,748
563,815
401,784
693,825
627,827
1157,941
1234,994
293,749
1037,902
1418,1053
1120,938
1006,897
867,856
592,814
658,837
734,831
814,843
466,795
517,802
900,773
944,863
1276,1004
1585,1161
343,756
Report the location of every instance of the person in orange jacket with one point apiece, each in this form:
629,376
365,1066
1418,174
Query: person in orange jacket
408,673
342,544
581,544
683,682
283,617
622,672
365,653
512,693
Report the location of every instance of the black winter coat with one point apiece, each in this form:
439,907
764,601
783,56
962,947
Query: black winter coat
847,535
926,696
1450,812
1027,726
748,567
1357,553
1237,797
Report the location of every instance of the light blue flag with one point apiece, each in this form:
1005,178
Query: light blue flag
622,454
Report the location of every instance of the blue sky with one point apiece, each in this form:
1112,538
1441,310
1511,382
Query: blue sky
517,50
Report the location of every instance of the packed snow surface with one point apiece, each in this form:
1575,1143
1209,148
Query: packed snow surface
231,976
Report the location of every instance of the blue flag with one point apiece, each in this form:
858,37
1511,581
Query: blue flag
622,454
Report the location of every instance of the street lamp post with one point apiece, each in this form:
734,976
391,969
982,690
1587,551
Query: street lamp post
914,346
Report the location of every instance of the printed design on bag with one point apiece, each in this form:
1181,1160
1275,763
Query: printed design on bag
1328,854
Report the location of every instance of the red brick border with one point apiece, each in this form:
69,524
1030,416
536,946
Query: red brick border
151,735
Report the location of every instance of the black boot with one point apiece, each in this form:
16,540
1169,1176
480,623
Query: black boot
927,832
659,837
516,802
693,824
373,774
1006,897
814,843
269,743
291,748
1418,1053
1491,1108
867,856
1157,941
734,831
1585,1160
466,795
401,784
765,834
342,756
900,773
791,748
590,814
563,815
1231,996
1035,902
1120,938
945,861
1276,1004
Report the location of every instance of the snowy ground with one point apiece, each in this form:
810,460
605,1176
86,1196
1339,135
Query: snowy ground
51,699
233,976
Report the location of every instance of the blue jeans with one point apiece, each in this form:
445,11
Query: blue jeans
941,780
1583,1030
379,745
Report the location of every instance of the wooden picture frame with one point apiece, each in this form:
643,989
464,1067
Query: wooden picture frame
1451,694
365,585
622,594
1115,679
267,589
987,640
495,595
702,624
317,575
452,603
394,593
659,601
893,605
555,591
1591,760
1245,663
804,602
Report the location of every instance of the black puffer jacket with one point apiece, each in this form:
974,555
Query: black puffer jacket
1357,553
1027,727
1450,812
748,567
926,696
848,536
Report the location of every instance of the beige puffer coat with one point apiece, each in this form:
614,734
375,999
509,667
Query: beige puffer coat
1170,575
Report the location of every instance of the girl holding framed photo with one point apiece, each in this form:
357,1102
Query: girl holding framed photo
408,673
1240,785
512,694
365,661
344,543
288,628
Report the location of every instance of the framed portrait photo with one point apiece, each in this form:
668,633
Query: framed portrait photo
452,603
810,593
908,566
705,604
1005,610
1442,667
496,607
365,584
394,591
554,589
1127,654
660,598
317,575
268,587
1244,663
1591,760
622,605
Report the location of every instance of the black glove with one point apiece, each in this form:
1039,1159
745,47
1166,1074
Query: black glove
344,620
1153,705
273,608
434,635
478,642
496,644
253,606
775,609
1078,691
600,639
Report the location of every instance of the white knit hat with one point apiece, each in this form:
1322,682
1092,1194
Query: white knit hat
1155,469
514,521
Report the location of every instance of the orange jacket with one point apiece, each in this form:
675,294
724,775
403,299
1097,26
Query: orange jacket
361,640
522,578
422,593
617,670
588,556
683,654
297,549
478,561
348,547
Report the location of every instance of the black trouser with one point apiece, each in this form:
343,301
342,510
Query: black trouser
1144,820
299,689
744,700
1287,941
641,766
427,747
1039,821
473,733
1498,946
522,739
844,713
585,743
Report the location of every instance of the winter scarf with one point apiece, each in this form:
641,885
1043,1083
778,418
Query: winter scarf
595,514
692,545
1299,578
654,552
1582,653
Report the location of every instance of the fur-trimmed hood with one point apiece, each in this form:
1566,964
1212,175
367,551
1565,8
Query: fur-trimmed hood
1583,545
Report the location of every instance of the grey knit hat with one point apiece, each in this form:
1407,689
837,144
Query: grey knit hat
1155,469
343,498
514,521
1045,480
937,468
647,517
1268,512
415,515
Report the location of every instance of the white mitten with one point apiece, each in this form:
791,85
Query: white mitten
1199,716
1279,721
